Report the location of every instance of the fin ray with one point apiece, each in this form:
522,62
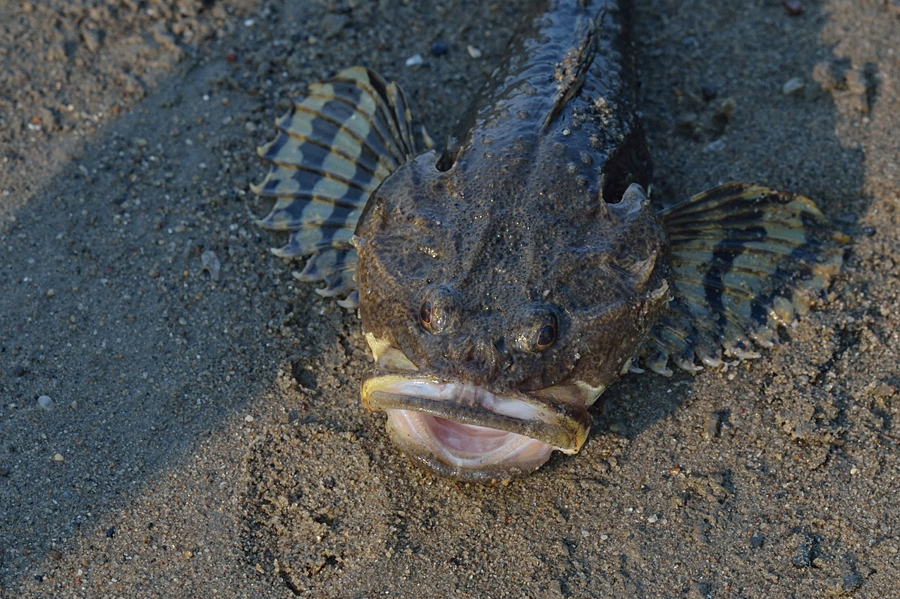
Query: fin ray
333,149
745,260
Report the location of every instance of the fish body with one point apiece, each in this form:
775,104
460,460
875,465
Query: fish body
504,283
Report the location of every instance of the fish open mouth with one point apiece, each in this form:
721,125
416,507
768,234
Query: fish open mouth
461,430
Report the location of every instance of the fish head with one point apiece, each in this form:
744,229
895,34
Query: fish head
495,325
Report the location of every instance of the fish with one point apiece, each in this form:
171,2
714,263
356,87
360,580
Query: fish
504,282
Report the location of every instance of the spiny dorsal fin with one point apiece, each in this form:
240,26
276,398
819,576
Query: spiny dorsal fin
334,148
745,260
570,73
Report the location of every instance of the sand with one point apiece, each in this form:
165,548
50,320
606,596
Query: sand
173,429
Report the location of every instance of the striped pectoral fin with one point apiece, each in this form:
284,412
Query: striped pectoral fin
333,149
744,260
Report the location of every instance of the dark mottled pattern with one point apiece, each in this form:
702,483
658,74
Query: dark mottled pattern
531,220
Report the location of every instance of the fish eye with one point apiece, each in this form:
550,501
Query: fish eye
546,334
426,313
540,329
436,312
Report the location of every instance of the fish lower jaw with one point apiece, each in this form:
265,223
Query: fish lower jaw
464,451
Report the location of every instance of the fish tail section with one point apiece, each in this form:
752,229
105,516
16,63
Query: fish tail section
745,260
333,149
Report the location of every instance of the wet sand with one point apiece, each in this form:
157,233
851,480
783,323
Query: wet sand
203,435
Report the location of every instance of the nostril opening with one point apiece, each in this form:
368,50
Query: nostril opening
475,357
479,360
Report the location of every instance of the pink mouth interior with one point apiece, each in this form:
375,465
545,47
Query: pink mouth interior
464,449
467,437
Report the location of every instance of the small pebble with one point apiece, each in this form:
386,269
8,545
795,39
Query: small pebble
4,471
653,519
51,293
19,371
45,402
792,86
415,60
110,532
756,541
714,146
793,7
210,263
473,51
439,48
58,457
248,418
708,92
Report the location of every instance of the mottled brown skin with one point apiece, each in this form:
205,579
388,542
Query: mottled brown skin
523,223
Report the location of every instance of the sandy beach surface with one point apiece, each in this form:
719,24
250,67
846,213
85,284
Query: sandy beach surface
180,418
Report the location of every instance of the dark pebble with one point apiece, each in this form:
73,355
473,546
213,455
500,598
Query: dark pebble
708,92
39,578
803,556
19,371
439,48
756,541
793,7
110,532
4,471
851,582
868,231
